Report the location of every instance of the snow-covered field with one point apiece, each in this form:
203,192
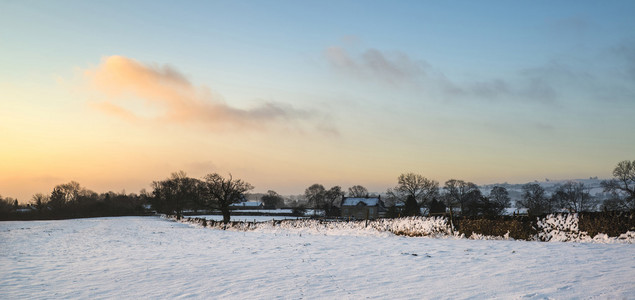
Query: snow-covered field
150,257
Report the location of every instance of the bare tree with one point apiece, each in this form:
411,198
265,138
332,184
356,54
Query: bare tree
420,188
65,194
176,193
500,197
71,191
331,197
6,205
39,201
622,186
222,192
272,200
357,191
575,197
458,192
535,200
57,201
315,196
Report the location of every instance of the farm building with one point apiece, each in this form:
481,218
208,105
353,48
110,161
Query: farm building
363,208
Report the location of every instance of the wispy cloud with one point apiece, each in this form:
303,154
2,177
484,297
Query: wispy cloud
168,96
573,26
394,68
625,51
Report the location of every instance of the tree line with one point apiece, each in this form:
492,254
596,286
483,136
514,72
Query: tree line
417,191
170,196
180,192
414,192
71,200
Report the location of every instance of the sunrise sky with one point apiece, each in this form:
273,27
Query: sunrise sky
284,94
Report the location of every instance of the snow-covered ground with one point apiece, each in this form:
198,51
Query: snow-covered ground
150,257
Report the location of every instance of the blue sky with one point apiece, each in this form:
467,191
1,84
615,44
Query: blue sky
285,94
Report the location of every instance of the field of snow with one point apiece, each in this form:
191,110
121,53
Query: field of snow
151,257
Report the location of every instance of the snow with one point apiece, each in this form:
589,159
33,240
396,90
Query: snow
151,257
552,228
411,226
564,228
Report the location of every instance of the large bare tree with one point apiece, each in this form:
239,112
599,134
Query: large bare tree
357,191
414,185
222,192
622,186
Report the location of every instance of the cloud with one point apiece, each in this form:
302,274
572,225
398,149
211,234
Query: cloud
526,89
539,90
398,68
115,110
201,167
168,96
490,89
625,52
575,26
394,68
493,89
565,78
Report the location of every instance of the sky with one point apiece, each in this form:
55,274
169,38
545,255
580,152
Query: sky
284,94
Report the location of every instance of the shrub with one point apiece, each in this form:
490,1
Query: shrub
519,228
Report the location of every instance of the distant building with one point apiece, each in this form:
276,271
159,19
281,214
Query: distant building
29,208
363,208
247,205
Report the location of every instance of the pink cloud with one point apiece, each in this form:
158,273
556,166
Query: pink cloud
170,97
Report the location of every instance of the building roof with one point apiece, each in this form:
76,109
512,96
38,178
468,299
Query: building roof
371,201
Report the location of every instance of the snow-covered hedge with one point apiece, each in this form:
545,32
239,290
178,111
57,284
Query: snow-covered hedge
564,228
552,228
411,226
518,228
560,228
414,226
